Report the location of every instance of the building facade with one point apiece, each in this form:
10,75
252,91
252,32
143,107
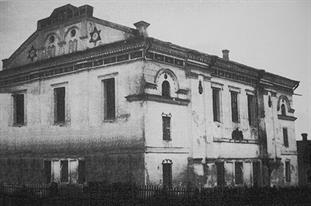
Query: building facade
84,99
304,160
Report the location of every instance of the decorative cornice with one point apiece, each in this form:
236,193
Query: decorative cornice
157,98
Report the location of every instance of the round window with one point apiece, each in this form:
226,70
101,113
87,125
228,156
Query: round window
51,39
73,32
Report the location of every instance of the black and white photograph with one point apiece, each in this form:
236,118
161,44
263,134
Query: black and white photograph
155,103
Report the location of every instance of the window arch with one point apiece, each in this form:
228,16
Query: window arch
283,109
166,89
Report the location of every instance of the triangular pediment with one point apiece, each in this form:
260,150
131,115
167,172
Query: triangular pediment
67,30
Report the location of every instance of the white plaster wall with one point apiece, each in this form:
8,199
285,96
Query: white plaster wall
153,168
84,107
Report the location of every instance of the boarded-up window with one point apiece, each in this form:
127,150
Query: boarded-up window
166,127
238,173
47,171
18,109
81,171
234,107
167,174
251,109
64,170
109,99
166,89
220,174
256,173
287,171
285,137
216,104
59,105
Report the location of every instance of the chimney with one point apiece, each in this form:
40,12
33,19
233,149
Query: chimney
225,54
304,137
142,26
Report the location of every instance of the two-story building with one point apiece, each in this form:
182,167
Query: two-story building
84,99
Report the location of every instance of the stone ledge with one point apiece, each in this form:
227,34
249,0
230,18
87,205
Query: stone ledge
157,98
288,118
243,141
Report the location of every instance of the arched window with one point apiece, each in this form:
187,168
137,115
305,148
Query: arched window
165,89
283,109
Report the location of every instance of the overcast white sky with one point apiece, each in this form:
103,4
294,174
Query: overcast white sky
270,35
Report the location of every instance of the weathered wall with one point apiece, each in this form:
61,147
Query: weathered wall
85,133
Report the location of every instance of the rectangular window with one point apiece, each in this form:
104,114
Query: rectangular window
234,107
47,171
220,173
166,126
81,172
251,109
19,109
238,173
256,173
285,137
109,99
287,171
64,170
216,104
59,105
167,174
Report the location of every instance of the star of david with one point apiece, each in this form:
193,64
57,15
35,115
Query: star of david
95,35
32,53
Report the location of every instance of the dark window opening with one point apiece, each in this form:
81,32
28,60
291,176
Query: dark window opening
309,176
81,172
287,171
285,137
47,171
238,173
256,173
167,174
251,109
166,126
19,107
165,89
283,109
220,174
109,99
234,106
216,104
64,170
59,101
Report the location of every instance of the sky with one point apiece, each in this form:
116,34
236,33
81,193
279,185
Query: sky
273,35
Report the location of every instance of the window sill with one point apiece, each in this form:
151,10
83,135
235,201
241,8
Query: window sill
109,120
60,124
18,125
288,118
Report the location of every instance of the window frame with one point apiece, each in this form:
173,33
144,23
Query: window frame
67,109
217,103
238,170
237,91
251,109
168,127
49,171
166,93
102,78
167,178
287,171
285,137
14,111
